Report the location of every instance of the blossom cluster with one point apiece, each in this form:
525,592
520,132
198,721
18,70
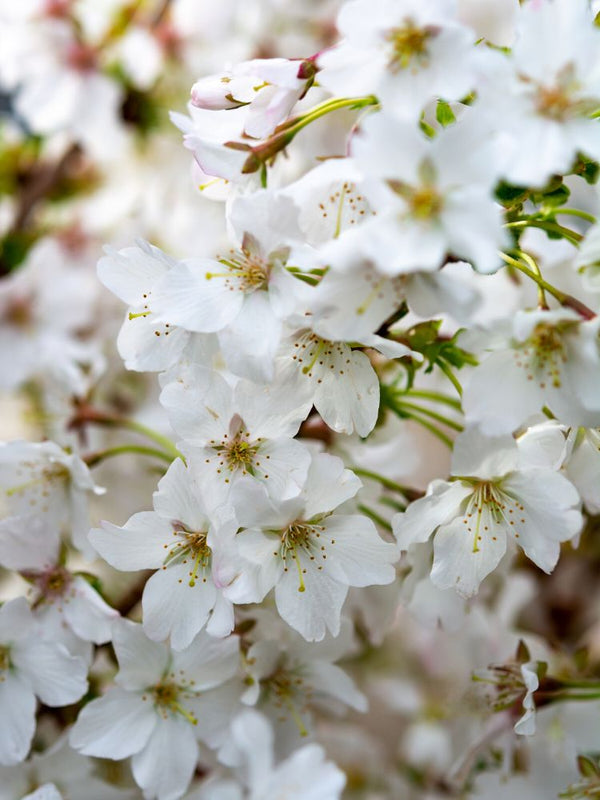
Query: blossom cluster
321,523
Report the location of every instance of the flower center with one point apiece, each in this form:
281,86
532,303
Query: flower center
302,538
554,103
290,692
247,272
190,546
166,696
408,45
489,508
543,355
51,584
424,201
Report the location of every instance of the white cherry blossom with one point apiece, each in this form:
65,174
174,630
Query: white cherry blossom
162,704
192,549
144,342
63,602
404,51
495,496
305,775
306,552
546,358
432,198
42,478
542,96
30,667
244,295
234,432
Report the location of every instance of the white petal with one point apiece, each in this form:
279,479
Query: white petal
139,544
282,465
250,341
141,661
209,662
546,514
179,498
188,298
328,485
132,272
28,542
114,726
358,555
87,613
348,397
331,680
17,707
165,766
55,676
422,517
174,608
316,609
458,563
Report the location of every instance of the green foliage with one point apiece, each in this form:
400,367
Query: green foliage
444,114
438,350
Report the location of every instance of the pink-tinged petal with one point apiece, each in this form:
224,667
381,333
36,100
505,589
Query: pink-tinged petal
115,726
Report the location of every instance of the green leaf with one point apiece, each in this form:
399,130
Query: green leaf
427,129
510,195
444,114
588,169
588,768
554,198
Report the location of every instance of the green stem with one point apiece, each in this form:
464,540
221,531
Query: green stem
580,684
163,441
96,458
551,227
379,520
437,397
575,212
262,153
326,107
389,484
428,425
389,501
451,377
567,698
564,299
534,266
434,415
